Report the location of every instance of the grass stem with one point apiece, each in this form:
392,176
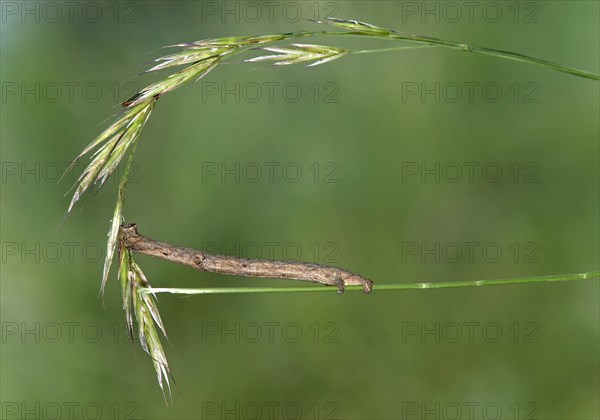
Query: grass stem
377,287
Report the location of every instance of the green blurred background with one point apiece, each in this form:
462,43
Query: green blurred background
527,351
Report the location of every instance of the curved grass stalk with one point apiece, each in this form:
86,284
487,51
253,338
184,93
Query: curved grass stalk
377,287
201,57
195,60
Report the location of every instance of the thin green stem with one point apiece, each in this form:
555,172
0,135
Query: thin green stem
377,287
409,47
393,35
125,177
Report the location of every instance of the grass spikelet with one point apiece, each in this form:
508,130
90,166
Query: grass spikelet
117,219
143,307
299,53
117,139
195,71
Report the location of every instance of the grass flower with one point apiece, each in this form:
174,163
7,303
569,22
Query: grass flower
299,53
